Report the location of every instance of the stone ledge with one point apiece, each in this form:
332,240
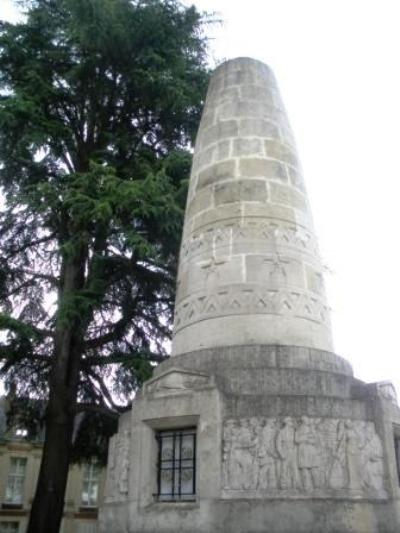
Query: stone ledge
254,356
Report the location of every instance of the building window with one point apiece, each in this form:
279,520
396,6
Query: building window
90,487
397,450
177,464
8,527
15,481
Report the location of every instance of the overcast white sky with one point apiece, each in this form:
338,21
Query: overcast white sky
338,66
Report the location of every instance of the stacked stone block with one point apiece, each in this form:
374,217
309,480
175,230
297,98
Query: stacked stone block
287,440
250,271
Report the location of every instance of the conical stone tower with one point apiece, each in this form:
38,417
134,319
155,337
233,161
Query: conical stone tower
253,425
250,272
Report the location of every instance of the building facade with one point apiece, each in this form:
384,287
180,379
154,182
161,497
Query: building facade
19,468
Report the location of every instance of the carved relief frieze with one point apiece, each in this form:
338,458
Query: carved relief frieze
302,457
118,467
236,234
176,381
250,299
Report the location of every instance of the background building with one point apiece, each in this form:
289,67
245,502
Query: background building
20,458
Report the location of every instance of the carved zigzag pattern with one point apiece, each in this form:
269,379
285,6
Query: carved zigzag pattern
268,232
247,300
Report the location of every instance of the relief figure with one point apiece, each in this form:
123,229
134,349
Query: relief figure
267,456
122,458
297,455
354,458
229,433
309,457
337,476
373,460
288,471
242,463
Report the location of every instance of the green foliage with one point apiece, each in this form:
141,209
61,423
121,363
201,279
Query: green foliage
99,102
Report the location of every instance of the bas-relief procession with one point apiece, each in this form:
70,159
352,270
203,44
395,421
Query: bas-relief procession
253,424
303,456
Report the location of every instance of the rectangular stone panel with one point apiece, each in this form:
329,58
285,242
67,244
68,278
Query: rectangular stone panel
287,134
257,92
247,146
274,270
201,201
281,194
209,272
300,455
240,191
208,118
270,211
247,109
296,178
203,158
218,96
222,212
257,127
217,172
315,281
258,167
223,150
278,150
221,130
210,155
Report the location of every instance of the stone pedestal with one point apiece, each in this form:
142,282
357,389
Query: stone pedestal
287,440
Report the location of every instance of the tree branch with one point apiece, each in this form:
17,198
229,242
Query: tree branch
104,390
85,407
26,271
120,357
29,244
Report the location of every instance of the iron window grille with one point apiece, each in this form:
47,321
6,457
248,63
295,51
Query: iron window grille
176,472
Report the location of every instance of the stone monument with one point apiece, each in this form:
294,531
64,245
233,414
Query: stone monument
254,424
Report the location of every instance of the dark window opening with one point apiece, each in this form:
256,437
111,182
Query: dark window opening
177,464
397,451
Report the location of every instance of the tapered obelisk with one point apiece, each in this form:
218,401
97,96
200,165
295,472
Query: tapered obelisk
250,271
253,425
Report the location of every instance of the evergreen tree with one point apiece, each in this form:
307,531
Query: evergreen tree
99,102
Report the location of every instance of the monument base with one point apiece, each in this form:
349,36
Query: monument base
252,439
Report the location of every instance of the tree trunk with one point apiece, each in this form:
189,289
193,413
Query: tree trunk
48,504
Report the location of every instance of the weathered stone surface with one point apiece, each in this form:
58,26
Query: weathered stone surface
247,146
221,130
240,191
259,127
282,457
202,201
217,172
286,430
277,150
258,167
284,195
246,172
288,441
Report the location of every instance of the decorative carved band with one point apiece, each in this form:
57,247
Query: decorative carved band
249,300
305,457
245,233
